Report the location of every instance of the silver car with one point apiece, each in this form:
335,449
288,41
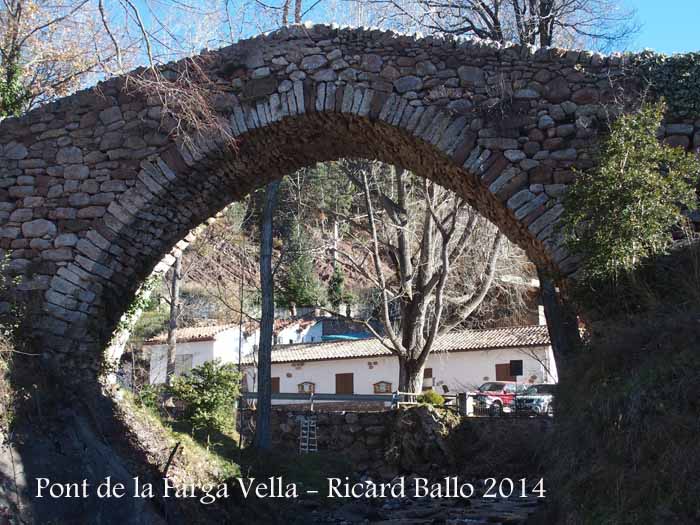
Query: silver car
536,400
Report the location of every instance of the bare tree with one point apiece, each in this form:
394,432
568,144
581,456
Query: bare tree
174,314
420,237
48,49
541,23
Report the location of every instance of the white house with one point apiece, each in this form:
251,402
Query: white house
196,345
460,361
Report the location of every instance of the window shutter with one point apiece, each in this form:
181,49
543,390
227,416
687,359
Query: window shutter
344,384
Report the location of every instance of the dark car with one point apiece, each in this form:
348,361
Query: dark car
536,400
496,397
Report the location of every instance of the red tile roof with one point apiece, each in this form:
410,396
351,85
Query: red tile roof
192,334
461,341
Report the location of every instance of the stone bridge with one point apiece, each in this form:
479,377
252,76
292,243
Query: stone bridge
98,189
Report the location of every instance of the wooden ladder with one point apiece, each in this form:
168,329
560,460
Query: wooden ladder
307,435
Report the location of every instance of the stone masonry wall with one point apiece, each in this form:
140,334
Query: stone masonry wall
418,440
98,190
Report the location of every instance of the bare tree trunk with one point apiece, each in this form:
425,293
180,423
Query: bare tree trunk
297,11
263,438
285,12
335,243
411,375
174,313
562,322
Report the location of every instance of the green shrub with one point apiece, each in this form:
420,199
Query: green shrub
619,215
209,392
149,397
431,397
675,78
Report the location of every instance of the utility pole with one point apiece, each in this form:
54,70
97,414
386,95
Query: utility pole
263,437
174,314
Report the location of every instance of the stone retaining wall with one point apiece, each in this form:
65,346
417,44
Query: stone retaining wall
417,440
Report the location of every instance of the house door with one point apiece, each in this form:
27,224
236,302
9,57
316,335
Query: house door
275,385
503,372
344,384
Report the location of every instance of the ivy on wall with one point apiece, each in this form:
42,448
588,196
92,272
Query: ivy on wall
675,78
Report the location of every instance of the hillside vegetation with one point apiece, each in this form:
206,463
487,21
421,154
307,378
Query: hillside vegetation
625,449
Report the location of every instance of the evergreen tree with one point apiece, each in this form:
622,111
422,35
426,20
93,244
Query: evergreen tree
642,184
337,293
299,284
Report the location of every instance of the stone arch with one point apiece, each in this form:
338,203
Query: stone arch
97,191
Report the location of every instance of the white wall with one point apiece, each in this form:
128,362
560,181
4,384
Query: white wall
464,371
225,347
460,371
293,335
201,351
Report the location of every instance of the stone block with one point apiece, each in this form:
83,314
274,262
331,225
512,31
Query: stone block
69,155
471,75
682,141
557,90
408,83
372,63
312,62
76,172
587,95
15,151
38,228
679,129
498,143
110,115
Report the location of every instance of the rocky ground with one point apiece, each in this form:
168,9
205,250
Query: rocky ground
426,510
415,510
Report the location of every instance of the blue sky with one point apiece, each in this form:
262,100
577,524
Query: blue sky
668,26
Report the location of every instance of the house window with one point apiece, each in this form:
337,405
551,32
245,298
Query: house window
382,387
428,380
307,387
344,384
275,381
183,364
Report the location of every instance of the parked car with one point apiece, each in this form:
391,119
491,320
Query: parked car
496,397
536,400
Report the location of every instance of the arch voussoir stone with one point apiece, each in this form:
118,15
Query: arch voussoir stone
98,190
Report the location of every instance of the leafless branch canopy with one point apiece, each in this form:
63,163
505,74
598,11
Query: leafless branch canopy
432,258
567,23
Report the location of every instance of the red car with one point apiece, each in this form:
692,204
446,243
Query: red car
496,397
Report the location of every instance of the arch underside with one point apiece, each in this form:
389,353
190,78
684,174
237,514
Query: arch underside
221,177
